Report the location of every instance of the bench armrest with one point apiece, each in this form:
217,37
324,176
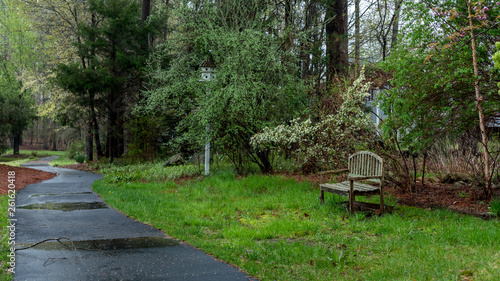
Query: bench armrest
359,178
333,172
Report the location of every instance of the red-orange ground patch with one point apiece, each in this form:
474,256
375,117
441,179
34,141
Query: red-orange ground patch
23,177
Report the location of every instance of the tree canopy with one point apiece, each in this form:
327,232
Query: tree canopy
17,62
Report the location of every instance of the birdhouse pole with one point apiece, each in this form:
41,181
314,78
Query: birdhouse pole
207,74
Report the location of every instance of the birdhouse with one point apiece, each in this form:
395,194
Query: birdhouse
208,72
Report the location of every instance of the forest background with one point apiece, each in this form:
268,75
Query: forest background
121,78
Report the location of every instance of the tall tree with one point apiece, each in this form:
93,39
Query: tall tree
336,18
357,39
114,55
395,22
56,21
146,12
17,59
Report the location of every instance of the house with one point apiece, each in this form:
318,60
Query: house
376,113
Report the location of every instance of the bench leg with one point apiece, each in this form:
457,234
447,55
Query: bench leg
382,205
351,198
322,197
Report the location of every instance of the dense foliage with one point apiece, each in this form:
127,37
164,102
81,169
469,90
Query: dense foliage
256,83
432,93
17,60
111,54
496,59
329,142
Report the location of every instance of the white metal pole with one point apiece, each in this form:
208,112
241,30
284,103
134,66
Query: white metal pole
207,154
207,147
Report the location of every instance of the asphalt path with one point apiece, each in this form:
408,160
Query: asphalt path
65,231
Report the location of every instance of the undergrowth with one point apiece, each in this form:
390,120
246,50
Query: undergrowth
146,172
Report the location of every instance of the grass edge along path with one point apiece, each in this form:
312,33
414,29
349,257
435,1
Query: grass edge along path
4,238
275,229
33,155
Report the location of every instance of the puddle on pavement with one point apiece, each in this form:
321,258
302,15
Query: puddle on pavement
102,244
66,207
55,194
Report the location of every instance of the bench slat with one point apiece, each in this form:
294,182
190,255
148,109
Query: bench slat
344,187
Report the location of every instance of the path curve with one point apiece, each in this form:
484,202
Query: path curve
85,239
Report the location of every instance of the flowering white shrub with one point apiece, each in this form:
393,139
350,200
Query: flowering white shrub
329,142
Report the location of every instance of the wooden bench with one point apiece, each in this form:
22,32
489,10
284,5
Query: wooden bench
363,167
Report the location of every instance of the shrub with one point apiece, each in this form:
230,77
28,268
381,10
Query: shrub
495,207
329,142
73,149
79,158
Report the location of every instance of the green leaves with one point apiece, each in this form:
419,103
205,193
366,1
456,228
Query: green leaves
328,143
17,60
496,59
432,90
255,86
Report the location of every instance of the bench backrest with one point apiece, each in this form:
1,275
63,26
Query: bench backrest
366,163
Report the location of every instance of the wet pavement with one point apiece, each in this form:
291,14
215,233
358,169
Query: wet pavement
64,231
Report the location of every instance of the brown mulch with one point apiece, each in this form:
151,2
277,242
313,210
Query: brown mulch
463,199
85,167
23,177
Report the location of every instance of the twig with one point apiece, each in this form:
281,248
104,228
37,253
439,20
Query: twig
47,240
49,259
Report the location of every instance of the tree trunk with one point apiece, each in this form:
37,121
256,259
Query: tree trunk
395,23
45,134
305,48
54,140
146,9
95,131
336,39
16,141
423,168
115,142
265,165
111,141
357,39
32,135
89,148
484,137
288,13
146,12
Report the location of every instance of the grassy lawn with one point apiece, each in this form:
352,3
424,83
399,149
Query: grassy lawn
31,155
39,153
10,160
275,228
62,161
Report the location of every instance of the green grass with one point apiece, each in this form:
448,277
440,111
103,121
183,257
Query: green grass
4,234
39,153
495,206
31,155
62,161
15,162
146,172
275,229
